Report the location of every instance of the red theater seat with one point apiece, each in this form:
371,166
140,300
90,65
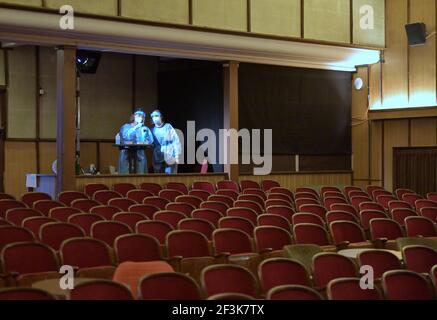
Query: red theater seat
210,215
169,286
138,195
129,218
249,184
232,241
203,185
199,225
101,290
84,204
330,266
30,198
229,185
123,188
180,186
181,207
17,215
103,196
380,260
170,194
11,234
238,223
154,188
34,224
293,292
406,285
122,203
201,194
7,204
156,201
156,229
385,229
346,232
350,289
91,188
63,213
107,231
419,259
106,212
307,233
137,248
246,213
147,209
54,233
171,217
420,227
85,220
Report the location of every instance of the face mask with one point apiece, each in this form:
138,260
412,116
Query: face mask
157,121
138,119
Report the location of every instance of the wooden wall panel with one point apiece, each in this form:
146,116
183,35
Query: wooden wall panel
395,68
327,20
2,68
47,78
395,135
88,154
20,159
106,97
34,3
278,17
146,86
376,152
375,86
175,11
422,63
221,14
47,154
371,37
423,132
108,157
22,93
103,7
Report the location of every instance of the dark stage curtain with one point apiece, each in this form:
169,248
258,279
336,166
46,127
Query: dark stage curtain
308,110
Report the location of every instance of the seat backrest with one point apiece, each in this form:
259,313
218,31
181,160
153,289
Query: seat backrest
105,211
215,205
138,195
17,215
85,220
137,248
227,192
252,197
399,215
406,285
203,226
154,228
282,211
232,241
280,196
103,196
344,207
271,238
168,286
67,197
249,204
180,186
107,231
204,185
267,184
211,215
239,223
307,190
93,253
147,209
419,259
91,188
7,204
371,206
249,184
394,204
156,201
187,244
329,266
343,231
193,200
420,226
122,203
25,294
221,198
227,278
129,218
11,234
243,212
255,192
307,218
308,233
228,184
299,202
385,228
171,217
293,292
424,203
350,289
282,190
430,213
152,187
170,194
34,224
411,198
123,187
314,209
329,201
63,213
84,204
367,215
274,220
101,289
44,206
336,215
380,260
30,198
181,207
202,194
54,233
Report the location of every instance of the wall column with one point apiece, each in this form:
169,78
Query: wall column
66,118
230,110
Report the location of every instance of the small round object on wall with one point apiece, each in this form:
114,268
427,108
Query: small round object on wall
358,83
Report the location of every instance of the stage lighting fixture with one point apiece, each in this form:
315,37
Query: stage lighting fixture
87,61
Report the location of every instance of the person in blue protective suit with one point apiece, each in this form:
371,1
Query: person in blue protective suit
167,146
134,132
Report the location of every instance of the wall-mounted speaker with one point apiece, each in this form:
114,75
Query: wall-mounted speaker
416,33
87,61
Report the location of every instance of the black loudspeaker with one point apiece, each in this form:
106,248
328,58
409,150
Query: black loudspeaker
416,33
87,61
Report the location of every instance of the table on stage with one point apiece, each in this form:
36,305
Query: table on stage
53,287
131,153
353,253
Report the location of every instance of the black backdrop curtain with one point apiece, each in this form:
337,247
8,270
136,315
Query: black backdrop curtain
308,110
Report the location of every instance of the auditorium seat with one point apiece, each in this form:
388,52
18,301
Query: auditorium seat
6,196
232,241
419,259
193,200
256,192
137,248
138,195
103,196
129,218
308,233
29,262
243,212
94,259
385,229
154,228
371,206
380,192
230,297
34,224
399,215
226,278
271,238
347,189
180,186
54,233
350,289
30,198
227,192
306,195
398,204
17,215
434,278
275,272
84,204
325,189
199,225
430,213
210,215
11,234
367,215
222,198
356,200
411,198
335,194
236,222
307,217
85,220
280,196
228,185
107,231
91,188
44,206
303,253
105,211
63,213
274,220
401,191
345,207
147,209
249,204
431,196
67,197
7,204
332,216
304,201
293,292
424,203
168,286
371,188
406,285
23,293
215,205
253,198
3,222
420,227
204,185
201,194
170,194
330,266
249,184
282,190
156,201
314,209
152,187
283,211
122,203
356,193
345,232
123,187
100,290
380,260
181,207
171,217
329,201
267,184
306,190
278,202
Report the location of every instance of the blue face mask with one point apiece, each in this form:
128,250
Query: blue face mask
138,119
